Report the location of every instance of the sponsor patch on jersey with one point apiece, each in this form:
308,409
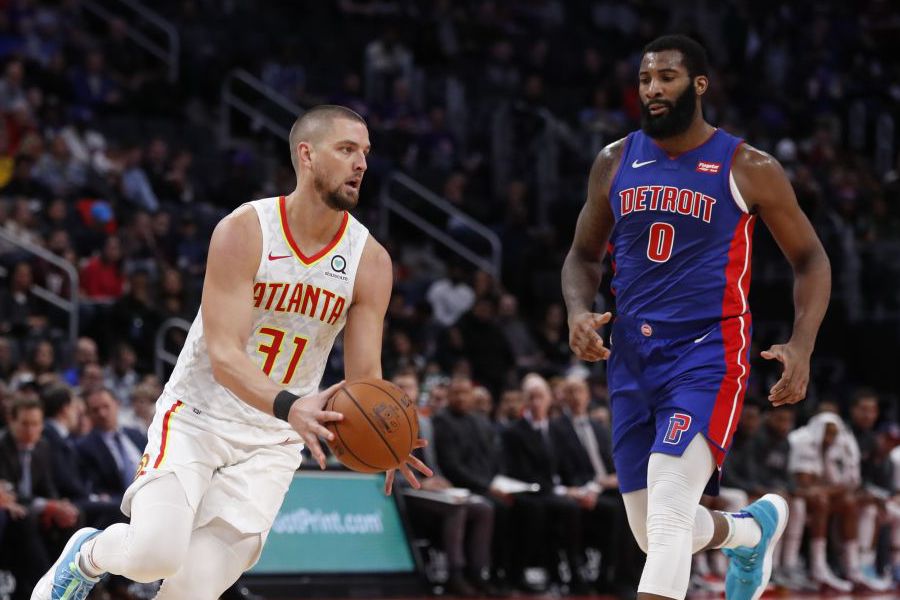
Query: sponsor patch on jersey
708,167
338,268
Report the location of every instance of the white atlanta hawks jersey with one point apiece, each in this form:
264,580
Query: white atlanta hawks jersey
300,304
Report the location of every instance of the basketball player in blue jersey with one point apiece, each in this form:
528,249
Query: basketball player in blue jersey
676,203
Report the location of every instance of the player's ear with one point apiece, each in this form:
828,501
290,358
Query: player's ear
304,153
701,82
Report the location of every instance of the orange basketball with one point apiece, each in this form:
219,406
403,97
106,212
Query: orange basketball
379,427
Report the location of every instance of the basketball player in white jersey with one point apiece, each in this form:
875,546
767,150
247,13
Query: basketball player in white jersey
284,276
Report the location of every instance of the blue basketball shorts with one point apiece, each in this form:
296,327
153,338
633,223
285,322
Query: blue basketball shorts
670,381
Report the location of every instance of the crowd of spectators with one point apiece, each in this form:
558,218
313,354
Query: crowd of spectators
115,171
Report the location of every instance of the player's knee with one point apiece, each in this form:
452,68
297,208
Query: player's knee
640,536
670,515
154,556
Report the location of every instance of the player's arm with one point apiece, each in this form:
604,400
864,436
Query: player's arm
365,318
227,309
363,334
583,266
768,192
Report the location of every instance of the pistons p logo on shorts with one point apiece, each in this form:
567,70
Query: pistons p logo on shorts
678,424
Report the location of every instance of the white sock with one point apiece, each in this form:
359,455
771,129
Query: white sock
867,524
87,566
743,530
818,562
850,551
793,534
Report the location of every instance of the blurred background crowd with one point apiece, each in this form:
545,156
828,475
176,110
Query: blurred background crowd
116,163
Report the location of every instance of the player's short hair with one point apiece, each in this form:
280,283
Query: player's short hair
55,398
310,124
693,55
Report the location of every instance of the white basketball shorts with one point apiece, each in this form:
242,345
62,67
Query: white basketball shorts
229,470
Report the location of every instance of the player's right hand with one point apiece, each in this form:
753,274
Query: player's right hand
584,340
308,419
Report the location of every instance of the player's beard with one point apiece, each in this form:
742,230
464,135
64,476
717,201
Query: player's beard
335,198
676,120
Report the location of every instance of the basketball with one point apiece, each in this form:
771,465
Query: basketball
379,427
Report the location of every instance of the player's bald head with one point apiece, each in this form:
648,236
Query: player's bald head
312,125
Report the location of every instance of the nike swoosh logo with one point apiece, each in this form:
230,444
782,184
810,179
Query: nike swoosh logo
703,337
278,257
638,165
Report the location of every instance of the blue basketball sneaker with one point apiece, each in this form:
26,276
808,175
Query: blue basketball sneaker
750,568
64,580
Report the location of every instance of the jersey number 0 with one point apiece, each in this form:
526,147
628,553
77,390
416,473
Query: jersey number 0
659,246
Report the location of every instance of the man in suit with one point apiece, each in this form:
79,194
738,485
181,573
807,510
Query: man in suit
61,417
468,454
109,454
26,463
466,527
586,468
530,456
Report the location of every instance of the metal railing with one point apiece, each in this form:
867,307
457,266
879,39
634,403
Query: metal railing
69,305
161,356
232,100
168,52
544,151
389,204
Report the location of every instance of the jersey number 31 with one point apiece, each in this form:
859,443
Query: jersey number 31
271,352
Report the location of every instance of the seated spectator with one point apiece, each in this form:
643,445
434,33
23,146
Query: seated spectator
509,410
740,468
22,313
39,366
62,415
825,462
120,376
877,475
465,527
93,86
85,354
530,456
770,451
26,462
136,187
91,379
110,453
553,340
517,334
142,408
58,170
468,455
451,296
586,469
101,277
8,359
485,346
134,319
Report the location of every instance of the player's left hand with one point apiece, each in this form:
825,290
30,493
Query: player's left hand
791,388
404,468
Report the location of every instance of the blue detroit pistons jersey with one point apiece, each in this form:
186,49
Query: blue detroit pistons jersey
682,236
